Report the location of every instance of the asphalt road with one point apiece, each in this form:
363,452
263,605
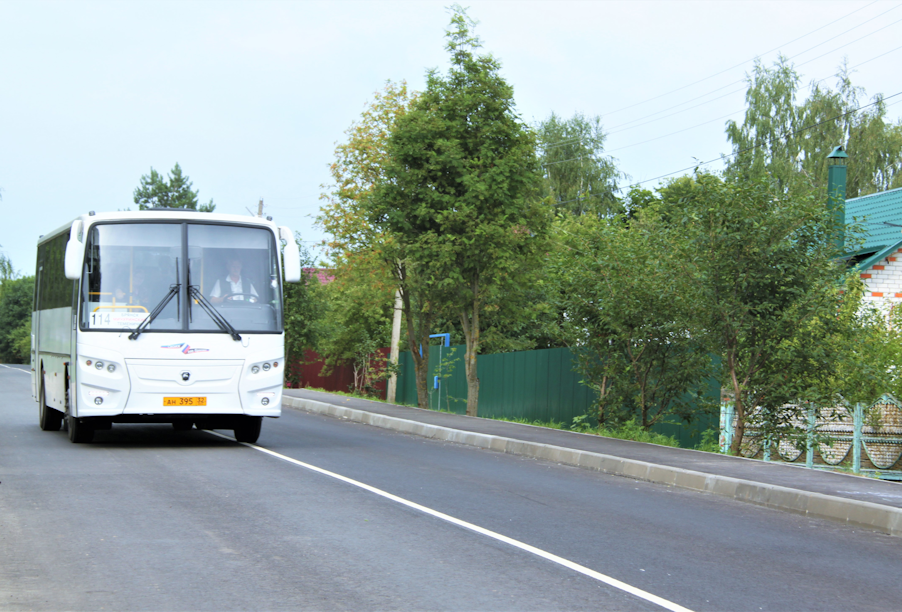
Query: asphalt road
147,518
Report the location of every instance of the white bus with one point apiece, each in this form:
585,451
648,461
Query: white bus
160,316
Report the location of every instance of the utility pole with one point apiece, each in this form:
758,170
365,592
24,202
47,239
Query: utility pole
260,208
393,357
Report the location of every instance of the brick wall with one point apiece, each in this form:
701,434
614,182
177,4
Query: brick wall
883,280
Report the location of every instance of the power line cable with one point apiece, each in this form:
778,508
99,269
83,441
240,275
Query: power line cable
734,154
847,44
616,131
794,132
705,122
849,30
866,61
623,125
711,120
742,63
624,128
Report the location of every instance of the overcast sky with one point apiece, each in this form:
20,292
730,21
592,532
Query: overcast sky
251,97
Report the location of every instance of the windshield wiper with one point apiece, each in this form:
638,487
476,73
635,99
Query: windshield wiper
224,325
173,291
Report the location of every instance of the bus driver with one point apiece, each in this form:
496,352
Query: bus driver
237,288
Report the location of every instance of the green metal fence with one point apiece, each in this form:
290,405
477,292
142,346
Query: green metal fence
533,385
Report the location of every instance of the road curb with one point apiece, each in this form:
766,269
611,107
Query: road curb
850,511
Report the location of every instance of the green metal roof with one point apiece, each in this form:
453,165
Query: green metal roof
871,211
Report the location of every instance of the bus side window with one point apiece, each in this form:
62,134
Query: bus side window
55,289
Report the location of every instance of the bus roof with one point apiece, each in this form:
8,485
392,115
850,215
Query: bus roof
169,214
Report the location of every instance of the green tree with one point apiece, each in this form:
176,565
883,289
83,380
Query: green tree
628,318
765,144
788,141
358,318
865,338
762,266
15,319
359,166
461,195
7,271
172,192
303,309
20,343
579,177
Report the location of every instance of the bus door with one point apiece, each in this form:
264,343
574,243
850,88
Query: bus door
36,381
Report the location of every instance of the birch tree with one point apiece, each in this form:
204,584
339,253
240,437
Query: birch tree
361,249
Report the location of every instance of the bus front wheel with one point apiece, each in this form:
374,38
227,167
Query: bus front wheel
79,432
50,419
247,429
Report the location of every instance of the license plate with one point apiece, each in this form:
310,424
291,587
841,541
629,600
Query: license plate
184,401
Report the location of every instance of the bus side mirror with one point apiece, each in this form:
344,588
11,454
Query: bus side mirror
75,251
292,257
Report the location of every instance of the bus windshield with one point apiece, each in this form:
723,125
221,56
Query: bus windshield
194,276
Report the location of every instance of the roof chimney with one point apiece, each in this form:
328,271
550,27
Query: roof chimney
836,193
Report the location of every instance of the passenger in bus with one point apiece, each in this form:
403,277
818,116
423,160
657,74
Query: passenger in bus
120,291
236,287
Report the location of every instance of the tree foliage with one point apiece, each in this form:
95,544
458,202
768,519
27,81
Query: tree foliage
358,167
16,297
866,338
766,283
174,191
578,176
789,141
461,195
358,318
7,272
361,250
628,318
303,309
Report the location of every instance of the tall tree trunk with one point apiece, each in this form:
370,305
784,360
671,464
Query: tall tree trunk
417,338
603,391
469,321
739,409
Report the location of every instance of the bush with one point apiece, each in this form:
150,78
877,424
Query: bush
15,320
629,430
20,343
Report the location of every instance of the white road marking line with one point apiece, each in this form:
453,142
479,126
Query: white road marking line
16,369
617,584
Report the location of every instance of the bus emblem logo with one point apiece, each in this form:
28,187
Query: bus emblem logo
185,348
186,376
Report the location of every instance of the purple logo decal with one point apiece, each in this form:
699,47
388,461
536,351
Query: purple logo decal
186,348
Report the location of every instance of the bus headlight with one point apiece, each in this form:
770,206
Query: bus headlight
255,370
264,401
266,367
99,365
98,400
111,368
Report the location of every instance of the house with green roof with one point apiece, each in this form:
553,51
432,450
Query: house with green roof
879,259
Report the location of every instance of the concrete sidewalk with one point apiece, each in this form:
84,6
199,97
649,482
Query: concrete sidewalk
860,501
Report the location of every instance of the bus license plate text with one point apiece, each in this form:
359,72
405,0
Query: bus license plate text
184,401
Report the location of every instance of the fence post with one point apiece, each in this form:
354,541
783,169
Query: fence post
767,445
857,424
809,442
726,426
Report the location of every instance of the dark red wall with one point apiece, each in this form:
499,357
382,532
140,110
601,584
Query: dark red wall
341,378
